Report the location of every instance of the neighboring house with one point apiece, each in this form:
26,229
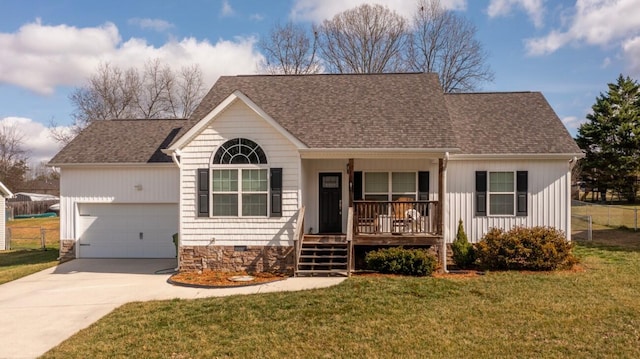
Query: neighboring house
4,194
277,172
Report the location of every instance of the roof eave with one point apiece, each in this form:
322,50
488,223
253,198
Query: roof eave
112,164
374,153
516,156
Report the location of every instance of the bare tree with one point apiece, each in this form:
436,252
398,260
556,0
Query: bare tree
289,49
13,157
444,42
365,39
156,91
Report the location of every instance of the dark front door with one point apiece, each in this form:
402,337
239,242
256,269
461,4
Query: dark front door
330,203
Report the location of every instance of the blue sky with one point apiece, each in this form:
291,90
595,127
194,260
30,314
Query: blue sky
568,50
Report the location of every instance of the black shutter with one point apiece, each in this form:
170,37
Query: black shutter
203,192
423,186
522,184
357,186
481,193
276,192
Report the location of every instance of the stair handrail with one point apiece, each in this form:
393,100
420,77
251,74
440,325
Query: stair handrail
298,235
350,230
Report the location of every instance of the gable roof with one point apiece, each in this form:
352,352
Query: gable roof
4,191
508,123
355,111
120,141
405,110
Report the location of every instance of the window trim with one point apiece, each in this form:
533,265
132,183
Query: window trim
240,192
389,193
513,194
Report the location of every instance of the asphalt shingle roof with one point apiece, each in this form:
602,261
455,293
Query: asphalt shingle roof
507,123
349,111
121,141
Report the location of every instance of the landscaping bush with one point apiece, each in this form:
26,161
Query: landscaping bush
462,251
537,248
398,260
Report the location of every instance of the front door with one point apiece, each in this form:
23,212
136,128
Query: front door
330,203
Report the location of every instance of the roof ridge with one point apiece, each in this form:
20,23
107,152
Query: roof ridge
490,92
331,74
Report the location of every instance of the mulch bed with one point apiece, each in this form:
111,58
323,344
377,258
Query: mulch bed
215,279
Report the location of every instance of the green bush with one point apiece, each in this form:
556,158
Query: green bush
462,251
537,248
398,260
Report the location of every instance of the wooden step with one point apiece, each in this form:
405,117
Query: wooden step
304,256
324,272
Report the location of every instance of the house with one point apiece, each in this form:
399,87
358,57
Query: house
307,172
4,194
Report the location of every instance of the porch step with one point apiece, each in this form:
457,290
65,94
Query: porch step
323,256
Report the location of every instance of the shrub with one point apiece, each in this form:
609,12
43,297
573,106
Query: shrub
537,248
398,260
462,251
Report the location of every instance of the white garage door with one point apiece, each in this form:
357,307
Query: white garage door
127,230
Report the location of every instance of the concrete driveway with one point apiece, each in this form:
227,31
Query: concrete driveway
40,311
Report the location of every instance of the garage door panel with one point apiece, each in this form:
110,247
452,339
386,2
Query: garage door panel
114,230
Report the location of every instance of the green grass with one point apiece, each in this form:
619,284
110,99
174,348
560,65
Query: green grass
27,258
594,312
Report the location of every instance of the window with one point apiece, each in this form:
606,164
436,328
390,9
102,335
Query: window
239,180
501,193
385,186
505,192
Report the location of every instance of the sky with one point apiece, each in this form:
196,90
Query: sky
568,50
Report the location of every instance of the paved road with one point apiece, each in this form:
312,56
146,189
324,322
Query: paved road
40,311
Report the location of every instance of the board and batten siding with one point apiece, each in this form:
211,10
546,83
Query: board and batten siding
548,204
140,184
239,121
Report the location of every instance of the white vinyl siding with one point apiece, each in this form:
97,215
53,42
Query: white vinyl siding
548,204
143,184
2,223
239,121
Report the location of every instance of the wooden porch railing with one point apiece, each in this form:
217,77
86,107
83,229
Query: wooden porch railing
297,237
396,217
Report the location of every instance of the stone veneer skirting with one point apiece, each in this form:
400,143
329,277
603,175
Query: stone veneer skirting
67,250
274,259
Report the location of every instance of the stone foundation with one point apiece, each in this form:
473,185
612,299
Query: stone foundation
274,259
67,250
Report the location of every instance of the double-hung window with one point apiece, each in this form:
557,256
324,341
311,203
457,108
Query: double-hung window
389,186
501,193
241,183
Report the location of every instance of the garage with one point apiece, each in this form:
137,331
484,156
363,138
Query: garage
127,230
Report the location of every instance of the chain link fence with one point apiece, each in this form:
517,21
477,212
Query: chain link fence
606,215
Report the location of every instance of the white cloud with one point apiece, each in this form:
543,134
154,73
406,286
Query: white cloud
152,24
572,123
631,50
319,10
226,10
41,57
37,138
606,62
256,17
534,9
593,22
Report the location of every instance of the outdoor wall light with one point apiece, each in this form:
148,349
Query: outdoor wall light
138,187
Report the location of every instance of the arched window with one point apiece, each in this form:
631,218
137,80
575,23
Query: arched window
239,151
240,180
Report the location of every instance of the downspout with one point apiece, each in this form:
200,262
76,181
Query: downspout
445,231
176,160
572,164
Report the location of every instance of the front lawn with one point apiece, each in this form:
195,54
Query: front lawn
591,312
27,258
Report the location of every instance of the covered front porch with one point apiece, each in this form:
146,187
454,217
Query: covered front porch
359,203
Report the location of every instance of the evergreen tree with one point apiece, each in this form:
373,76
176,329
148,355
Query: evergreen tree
611,139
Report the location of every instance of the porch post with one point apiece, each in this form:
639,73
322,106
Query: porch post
350,174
